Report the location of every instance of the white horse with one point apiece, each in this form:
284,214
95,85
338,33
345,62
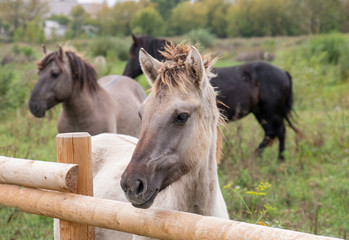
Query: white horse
173,164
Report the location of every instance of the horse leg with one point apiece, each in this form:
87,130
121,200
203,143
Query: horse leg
273,127
269,133
281,137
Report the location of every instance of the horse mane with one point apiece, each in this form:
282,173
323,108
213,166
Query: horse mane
173,73
83,73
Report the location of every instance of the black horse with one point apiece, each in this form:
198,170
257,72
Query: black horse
257,87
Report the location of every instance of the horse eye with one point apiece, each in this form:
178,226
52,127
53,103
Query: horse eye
54,74
181,119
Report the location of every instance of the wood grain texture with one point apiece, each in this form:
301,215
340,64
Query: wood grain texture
39,174
157,223
75,148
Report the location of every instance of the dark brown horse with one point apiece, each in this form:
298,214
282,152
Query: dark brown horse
257,87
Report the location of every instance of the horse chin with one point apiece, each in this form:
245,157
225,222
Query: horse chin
132,74
39,113
148,203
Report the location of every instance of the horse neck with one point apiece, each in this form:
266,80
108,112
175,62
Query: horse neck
198,191
82,103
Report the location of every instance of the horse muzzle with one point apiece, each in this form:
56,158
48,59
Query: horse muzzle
37,109
138,193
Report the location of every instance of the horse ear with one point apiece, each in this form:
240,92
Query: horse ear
44,50
136,40
60,53
195,65
149,65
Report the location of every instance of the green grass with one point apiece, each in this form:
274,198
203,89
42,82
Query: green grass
309,192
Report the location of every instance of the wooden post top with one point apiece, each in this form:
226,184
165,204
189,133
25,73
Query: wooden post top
73,135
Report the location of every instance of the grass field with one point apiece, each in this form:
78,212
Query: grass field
309,192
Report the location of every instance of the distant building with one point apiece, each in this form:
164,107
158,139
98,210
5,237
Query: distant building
54,29
65,6
61,6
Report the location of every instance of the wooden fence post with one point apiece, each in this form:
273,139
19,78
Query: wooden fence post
76,148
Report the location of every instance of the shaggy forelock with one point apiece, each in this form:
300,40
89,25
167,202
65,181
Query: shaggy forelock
174,73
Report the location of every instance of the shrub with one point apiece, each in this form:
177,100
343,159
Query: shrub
7,78
109,48
28,52
331,44
201,36
343,62
32,32
311,75
25,51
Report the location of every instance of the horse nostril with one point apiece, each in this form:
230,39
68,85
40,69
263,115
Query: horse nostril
139,187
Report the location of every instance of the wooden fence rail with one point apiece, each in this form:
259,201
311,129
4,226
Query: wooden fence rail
78,212
162,224
39,174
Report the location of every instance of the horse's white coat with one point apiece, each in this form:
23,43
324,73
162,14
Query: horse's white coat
197,191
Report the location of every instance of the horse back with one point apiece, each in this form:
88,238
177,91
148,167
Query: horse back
122,87
274,84
245,88
127,96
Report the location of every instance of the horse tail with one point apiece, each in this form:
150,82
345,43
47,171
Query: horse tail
288,108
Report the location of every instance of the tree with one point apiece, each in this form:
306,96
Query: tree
60,18
33,32
124,12
316,16
345,16
188,16
164,7
149,21
18,13
79,17
106,21
216,18
248,18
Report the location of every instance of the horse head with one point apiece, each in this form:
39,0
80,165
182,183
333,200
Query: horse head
60,73
133,67
178,119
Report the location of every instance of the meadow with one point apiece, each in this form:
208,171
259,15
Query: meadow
309,192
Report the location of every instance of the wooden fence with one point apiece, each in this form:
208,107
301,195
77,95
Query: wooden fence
64,190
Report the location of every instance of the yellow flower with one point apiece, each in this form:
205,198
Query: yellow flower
255,193
262,223
228,185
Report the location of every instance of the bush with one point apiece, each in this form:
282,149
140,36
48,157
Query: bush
109,48
332,44
343,62
335,46
7,87
312,75
25,51
32,32
201,36
28,52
